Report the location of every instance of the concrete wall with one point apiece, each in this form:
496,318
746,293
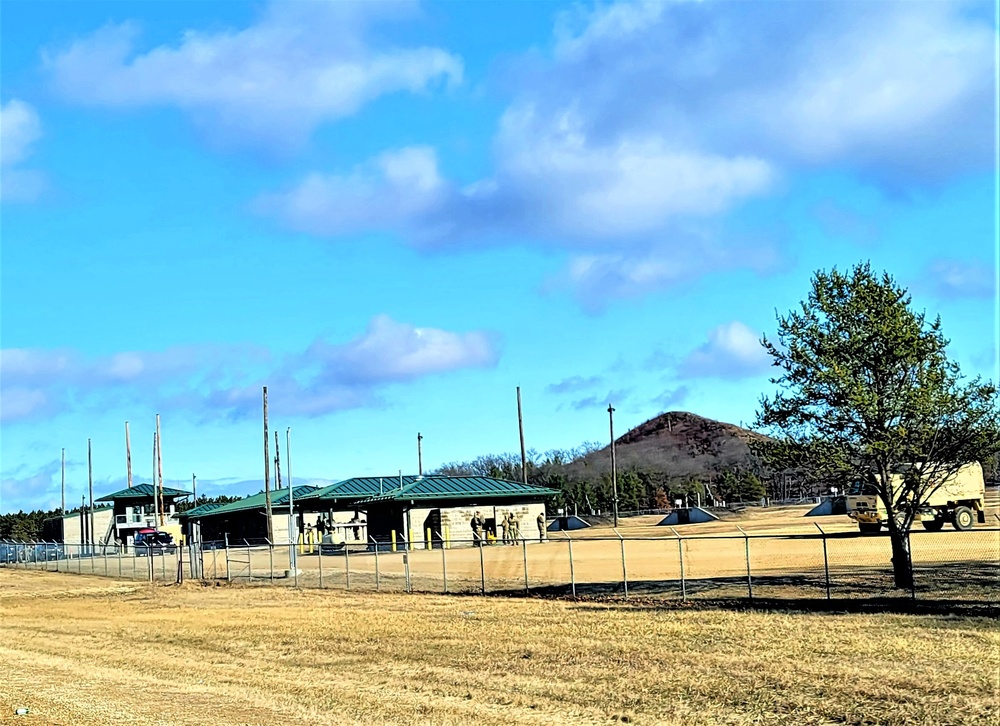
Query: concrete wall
457,521
72,530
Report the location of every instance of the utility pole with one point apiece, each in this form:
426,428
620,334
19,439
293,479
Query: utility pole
90,487
194,489
420,456
520,428
614,464
128,456
277,462
62,504
267,472
292,524
62,509
159,465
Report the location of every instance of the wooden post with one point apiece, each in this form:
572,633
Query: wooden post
128,456
520,429
267,473
90,487
159,466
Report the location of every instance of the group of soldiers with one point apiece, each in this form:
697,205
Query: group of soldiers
510,527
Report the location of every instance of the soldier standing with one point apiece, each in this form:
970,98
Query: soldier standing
477,530
541,527
515,529
505,526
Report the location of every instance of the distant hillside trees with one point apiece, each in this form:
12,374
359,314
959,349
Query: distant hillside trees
24,526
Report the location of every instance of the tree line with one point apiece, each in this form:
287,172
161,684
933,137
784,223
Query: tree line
638,487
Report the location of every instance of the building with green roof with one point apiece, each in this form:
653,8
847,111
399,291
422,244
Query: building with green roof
429,510
135,509
245,520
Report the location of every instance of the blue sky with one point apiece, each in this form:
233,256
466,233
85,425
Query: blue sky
392,214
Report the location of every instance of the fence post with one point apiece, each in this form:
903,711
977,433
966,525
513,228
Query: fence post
406,566
293,562
621,541
680,559
215,563
119,562
347,564
524,553
249,563
746,542
444,564
79,561
572,571
149,559
482,567
320,550
104,552
270,558
180,565
378,583
826,560
229,577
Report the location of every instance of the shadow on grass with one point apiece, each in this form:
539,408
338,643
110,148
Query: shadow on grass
949,589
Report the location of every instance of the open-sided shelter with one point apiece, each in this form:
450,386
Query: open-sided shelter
430,510
245,521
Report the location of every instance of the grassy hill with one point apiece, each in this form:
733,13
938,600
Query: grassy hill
676,445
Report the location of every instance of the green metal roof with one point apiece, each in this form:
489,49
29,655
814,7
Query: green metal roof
475,488
256,501
361,487
201,509
141,491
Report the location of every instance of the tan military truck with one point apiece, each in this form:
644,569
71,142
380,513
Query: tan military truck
959,500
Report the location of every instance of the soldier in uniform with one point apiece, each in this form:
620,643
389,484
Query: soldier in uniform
477,529
541,527
505,526
515,529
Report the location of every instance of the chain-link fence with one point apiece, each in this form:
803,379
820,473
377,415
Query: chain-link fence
947,565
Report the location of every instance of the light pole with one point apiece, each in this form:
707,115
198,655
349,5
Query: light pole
614,464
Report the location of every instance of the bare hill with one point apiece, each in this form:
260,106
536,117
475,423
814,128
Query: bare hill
678,445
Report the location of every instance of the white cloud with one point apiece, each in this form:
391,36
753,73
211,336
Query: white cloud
733,350
390,351
20,128
650,117
299,65
956,279
387,192
225,381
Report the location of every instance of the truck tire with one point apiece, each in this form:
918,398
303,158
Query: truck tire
869,527
962,518
933,525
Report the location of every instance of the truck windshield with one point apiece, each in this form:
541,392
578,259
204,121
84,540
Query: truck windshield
859,488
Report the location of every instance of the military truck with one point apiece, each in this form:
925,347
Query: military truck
959,500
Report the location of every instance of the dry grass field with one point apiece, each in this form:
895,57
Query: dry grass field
88,650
